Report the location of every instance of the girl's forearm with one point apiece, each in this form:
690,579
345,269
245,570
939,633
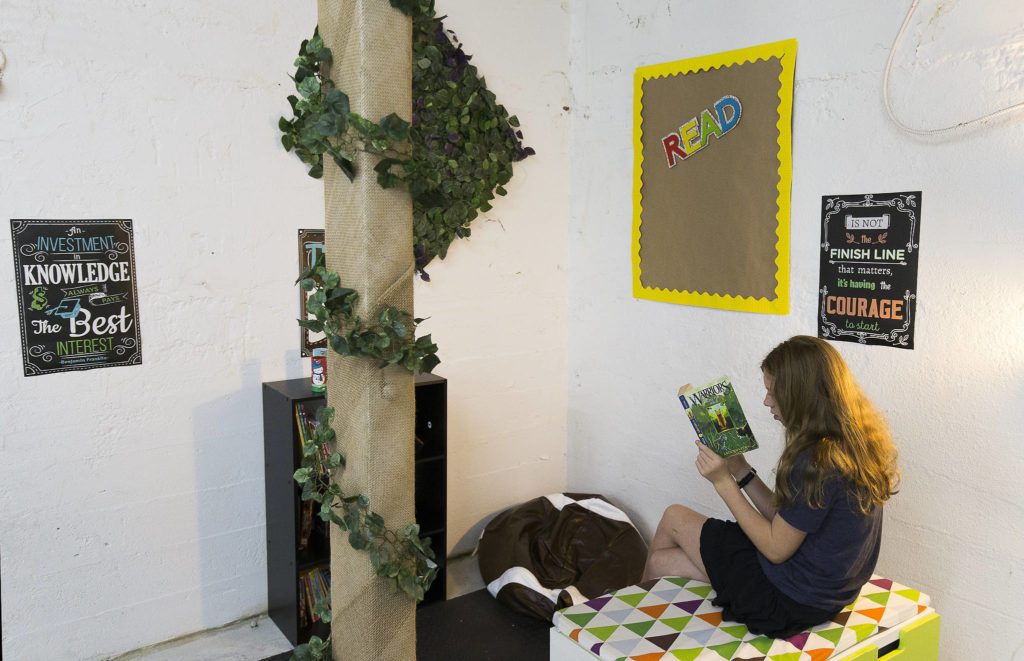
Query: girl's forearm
761,496
750,520
756,490
774,538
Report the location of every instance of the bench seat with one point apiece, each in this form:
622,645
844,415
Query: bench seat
672,619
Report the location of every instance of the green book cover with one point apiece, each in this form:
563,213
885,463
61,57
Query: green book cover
717,417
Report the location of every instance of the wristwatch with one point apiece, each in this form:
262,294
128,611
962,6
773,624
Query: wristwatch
745,480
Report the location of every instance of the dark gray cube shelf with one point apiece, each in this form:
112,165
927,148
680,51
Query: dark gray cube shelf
285,561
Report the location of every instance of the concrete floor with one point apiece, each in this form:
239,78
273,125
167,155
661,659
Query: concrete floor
258,638
247,640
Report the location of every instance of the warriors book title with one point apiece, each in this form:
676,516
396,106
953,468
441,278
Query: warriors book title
717,417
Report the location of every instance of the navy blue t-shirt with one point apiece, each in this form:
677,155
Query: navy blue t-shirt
838,555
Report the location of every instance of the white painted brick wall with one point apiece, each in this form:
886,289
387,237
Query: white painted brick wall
497,302
954,402
131,499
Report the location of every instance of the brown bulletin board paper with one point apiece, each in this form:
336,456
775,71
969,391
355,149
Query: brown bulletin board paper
712,174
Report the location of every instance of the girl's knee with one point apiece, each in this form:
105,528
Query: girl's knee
678,513
681,520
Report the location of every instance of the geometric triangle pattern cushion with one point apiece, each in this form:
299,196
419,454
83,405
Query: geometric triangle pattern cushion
672,619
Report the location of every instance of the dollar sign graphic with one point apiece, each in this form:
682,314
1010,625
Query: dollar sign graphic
38,298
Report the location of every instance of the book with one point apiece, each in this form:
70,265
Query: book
717,417
307,423
307,586
305,523
319,585
300,425
303,614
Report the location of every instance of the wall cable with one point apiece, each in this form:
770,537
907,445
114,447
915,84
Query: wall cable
892,113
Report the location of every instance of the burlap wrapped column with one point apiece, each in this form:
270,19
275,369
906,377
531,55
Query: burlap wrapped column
369,244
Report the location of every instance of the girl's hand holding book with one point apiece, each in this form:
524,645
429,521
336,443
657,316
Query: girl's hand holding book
711,466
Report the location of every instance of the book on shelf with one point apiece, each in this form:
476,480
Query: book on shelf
307,425
314,585
306,422
300,425
319,585
310,602
305,523
716,415
303,614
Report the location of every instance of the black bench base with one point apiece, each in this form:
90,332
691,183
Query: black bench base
474,626
477,626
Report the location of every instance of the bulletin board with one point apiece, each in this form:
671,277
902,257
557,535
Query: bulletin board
711,185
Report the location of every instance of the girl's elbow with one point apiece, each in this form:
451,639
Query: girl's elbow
778,556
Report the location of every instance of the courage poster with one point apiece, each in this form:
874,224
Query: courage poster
868,277
77,299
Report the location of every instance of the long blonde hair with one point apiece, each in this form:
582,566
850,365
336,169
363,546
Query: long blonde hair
827,416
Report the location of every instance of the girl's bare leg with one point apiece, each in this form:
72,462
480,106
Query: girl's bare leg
675,549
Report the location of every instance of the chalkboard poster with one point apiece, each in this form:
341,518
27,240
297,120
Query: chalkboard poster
311,245
76,294
868,276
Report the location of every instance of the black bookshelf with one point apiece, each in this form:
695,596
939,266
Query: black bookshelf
285,561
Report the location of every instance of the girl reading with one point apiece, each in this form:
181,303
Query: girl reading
797,555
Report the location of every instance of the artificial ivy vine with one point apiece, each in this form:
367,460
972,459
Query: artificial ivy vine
453,156
390,340
401,558
463,141
323,123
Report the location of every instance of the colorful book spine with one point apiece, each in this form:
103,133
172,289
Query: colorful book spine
303,611
305,524
308,587
303,423
299,426
683,391
715,412
310,427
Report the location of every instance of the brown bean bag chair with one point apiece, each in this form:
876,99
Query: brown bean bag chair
558,550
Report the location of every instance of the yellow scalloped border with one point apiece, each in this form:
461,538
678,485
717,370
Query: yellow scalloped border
786,52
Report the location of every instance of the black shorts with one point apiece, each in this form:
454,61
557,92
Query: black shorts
743,591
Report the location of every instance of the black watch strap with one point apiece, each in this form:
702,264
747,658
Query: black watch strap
747,478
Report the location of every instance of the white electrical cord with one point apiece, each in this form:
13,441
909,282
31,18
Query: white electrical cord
892,114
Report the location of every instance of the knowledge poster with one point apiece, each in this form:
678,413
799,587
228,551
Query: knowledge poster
868,277
77,299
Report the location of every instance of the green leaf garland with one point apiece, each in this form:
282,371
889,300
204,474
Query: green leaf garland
453,156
